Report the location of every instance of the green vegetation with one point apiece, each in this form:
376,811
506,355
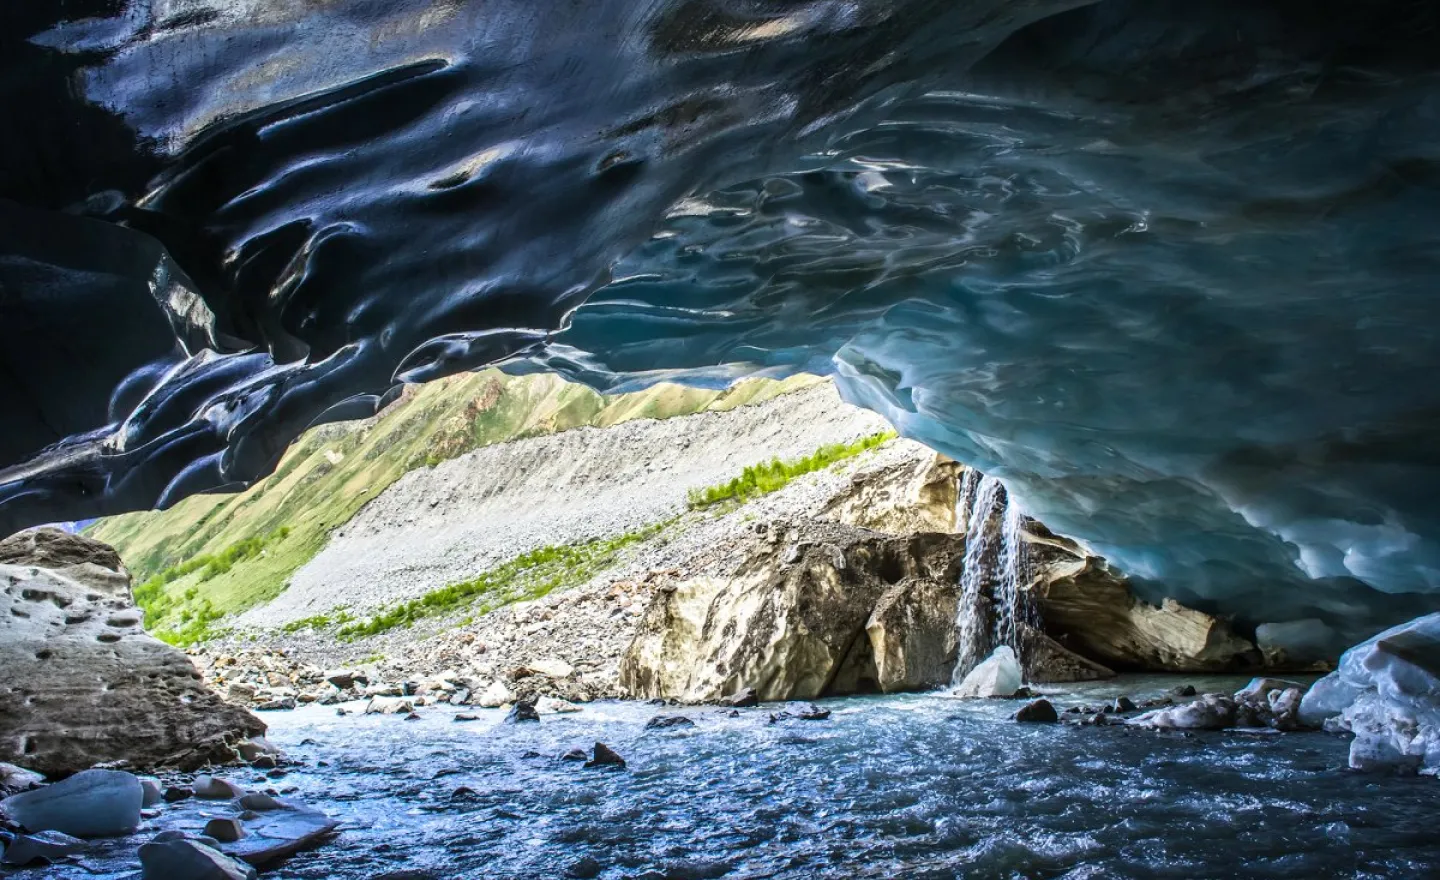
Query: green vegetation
762,479
318,621
192,615
334,470
527,576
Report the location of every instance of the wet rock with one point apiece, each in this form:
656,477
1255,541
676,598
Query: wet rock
17,779
1125,704
224,830
665,722
214,788
1039,712
48,846
413,716
744,698
605,757
1184,690
175,793
92,803
280,832
264,762
575,755
259,802
389,706
185,859
466,716
253,749
153,794
521,712
281,704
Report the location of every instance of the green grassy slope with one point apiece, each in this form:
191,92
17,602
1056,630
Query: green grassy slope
262,535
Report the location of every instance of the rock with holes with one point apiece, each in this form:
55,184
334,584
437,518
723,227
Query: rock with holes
83,683
92,803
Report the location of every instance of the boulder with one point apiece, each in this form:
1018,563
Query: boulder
665,722
1386,691
224,829
495,696
215,788
605,756
16,779
175,793
92,803
154,794
1040,711
183,859
49,845
389,706
744,698
83,683
554,706
279,704
275,834
997,676
521,712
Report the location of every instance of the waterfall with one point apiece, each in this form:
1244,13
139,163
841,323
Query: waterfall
993,569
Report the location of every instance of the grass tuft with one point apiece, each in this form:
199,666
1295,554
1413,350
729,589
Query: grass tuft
528,576
762,479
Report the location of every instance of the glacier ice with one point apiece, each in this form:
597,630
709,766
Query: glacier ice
1386,691
1165,269
998,675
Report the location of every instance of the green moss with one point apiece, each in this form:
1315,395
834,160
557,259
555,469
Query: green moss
762,479
528,576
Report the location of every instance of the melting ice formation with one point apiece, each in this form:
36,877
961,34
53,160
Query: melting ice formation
1166,268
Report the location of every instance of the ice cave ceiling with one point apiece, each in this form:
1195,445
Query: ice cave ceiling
1168,268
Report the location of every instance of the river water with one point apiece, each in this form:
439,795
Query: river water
917,786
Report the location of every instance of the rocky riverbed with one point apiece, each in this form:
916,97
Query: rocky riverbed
918,785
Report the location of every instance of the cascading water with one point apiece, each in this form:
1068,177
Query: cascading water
994,559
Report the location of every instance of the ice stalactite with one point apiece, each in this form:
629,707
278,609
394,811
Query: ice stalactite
992,602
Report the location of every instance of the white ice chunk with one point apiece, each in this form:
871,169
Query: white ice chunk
997,676
1387,693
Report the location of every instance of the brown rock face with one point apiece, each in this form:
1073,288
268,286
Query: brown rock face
793,620
1090,608
82,681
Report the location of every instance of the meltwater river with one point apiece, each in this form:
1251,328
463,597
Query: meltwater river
919,786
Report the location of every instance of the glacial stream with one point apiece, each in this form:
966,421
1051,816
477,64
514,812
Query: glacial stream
918,786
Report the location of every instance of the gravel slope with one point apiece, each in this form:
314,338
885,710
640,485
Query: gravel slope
445,524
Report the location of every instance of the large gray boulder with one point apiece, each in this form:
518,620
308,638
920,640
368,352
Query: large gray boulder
92,803
83,684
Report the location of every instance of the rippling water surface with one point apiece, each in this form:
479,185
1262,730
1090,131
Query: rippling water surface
915,786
